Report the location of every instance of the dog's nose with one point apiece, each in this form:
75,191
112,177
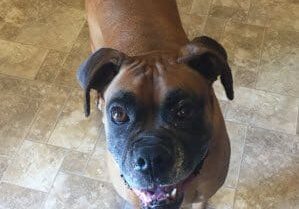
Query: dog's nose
155,158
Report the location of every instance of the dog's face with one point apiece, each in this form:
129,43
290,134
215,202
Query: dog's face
157,112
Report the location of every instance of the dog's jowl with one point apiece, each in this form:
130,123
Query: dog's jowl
166,137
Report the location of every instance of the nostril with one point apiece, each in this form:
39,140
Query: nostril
140,164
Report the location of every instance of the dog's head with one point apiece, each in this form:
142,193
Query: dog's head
157,110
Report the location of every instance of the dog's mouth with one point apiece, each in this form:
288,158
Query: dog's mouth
167,196
162,196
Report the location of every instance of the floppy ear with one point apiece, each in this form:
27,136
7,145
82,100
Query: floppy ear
209,58
98,71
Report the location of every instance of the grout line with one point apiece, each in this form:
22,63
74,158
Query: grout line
59,115
53,182
41,63
241,163
55,146
206,17
272,92
260,56
26,188
36,46
297,121
28,129
253,126
87,177
43,100
248,11
210,7
268,92
68,53
84,176
68,150
226,22
102,129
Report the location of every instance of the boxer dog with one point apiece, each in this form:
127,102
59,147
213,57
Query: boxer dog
166,138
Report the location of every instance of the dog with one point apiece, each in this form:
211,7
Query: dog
166,137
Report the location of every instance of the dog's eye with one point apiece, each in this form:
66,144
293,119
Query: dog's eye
119,115
183,110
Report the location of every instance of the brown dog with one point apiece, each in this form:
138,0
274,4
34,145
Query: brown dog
165,133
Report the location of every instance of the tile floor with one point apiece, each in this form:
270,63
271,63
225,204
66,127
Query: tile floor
51,156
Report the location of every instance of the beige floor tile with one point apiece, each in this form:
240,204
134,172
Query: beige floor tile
223,199
35,166
228,13
11,140
236,134
184,6
268,180
280,14
57,31
51,66
23,87
193,25
285,16
278,43
279,70
79,4
19,12
101,146
259,12
16,16
214,28
16,113
97,167
264,110
75,162
3,165
20,60
15,197
245,78
2,23
5,6
244,48
9,31
48,114
79,52
74,130
76,192
223,106
271,141
243,4
201,7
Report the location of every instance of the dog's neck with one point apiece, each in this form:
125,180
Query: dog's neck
139,26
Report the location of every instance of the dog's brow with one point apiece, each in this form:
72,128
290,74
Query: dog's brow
124,97
175,95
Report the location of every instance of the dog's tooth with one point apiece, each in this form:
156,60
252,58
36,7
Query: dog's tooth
173,193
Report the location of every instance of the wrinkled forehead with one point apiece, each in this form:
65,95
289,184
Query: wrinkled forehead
151,79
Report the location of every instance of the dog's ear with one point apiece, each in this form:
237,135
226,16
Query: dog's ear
208,57
98,71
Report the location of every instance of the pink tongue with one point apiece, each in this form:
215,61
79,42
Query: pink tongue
147,197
